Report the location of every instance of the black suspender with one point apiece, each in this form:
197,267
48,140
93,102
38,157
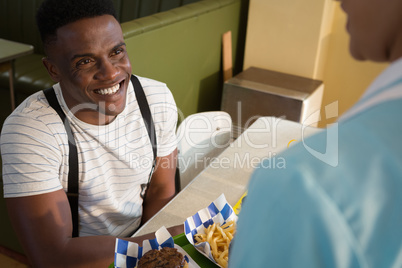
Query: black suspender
149,124
145,112
73,174
72,187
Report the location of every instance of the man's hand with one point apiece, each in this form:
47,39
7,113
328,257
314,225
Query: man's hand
176,230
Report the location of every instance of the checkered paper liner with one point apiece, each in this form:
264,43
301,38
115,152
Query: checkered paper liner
219,211
128,253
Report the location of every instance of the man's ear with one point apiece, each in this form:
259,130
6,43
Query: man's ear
51,69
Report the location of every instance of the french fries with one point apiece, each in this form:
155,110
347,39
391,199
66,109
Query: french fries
219,238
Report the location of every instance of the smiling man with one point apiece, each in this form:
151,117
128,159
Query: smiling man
87,57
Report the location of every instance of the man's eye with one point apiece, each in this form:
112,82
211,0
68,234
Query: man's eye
118,51
83,62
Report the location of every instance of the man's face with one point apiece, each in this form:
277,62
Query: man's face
373,26
90,61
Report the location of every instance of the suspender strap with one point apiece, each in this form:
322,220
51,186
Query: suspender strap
72,190
145,112
149,124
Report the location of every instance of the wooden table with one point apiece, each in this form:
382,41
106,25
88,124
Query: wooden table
9,51
231,171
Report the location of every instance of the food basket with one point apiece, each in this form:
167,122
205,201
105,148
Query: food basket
127,254
219,212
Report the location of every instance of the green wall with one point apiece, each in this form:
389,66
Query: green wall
186,53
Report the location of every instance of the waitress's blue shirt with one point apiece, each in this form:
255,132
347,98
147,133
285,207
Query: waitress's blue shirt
348,214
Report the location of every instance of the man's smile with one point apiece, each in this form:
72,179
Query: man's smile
109,91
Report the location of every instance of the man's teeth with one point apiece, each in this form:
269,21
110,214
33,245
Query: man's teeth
108,91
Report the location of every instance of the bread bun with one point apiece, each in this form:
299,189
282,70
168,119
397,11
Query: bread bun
166,257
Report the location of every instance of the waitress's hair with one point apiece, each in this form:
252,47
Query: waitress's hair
53,14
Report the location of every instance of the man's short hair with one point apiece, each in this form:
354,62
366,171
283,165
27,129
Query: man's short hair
53,14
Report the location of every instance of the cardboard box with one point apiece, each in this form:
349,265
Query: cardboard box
257,92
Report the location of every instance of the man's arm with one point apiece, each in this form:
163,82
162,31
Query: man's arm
44,227
162,187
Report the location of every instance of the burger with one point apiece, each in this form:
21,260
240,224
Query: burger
166,257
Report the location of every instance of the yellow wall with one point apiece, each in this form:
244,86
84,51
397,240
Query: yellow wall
284,35
308,38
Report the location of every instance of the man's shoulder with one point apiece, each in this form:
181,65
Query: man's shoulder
33,111
149,82
157,92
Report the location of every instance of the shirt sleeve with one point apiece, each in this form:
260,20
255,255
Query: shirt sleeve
31,157
289,220
286,222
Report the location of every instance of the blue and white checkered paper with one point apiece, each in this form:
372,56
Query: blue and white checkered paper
128,253
219,211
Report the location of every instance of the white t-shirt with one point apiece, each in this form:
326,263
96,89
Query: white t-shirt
114,159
